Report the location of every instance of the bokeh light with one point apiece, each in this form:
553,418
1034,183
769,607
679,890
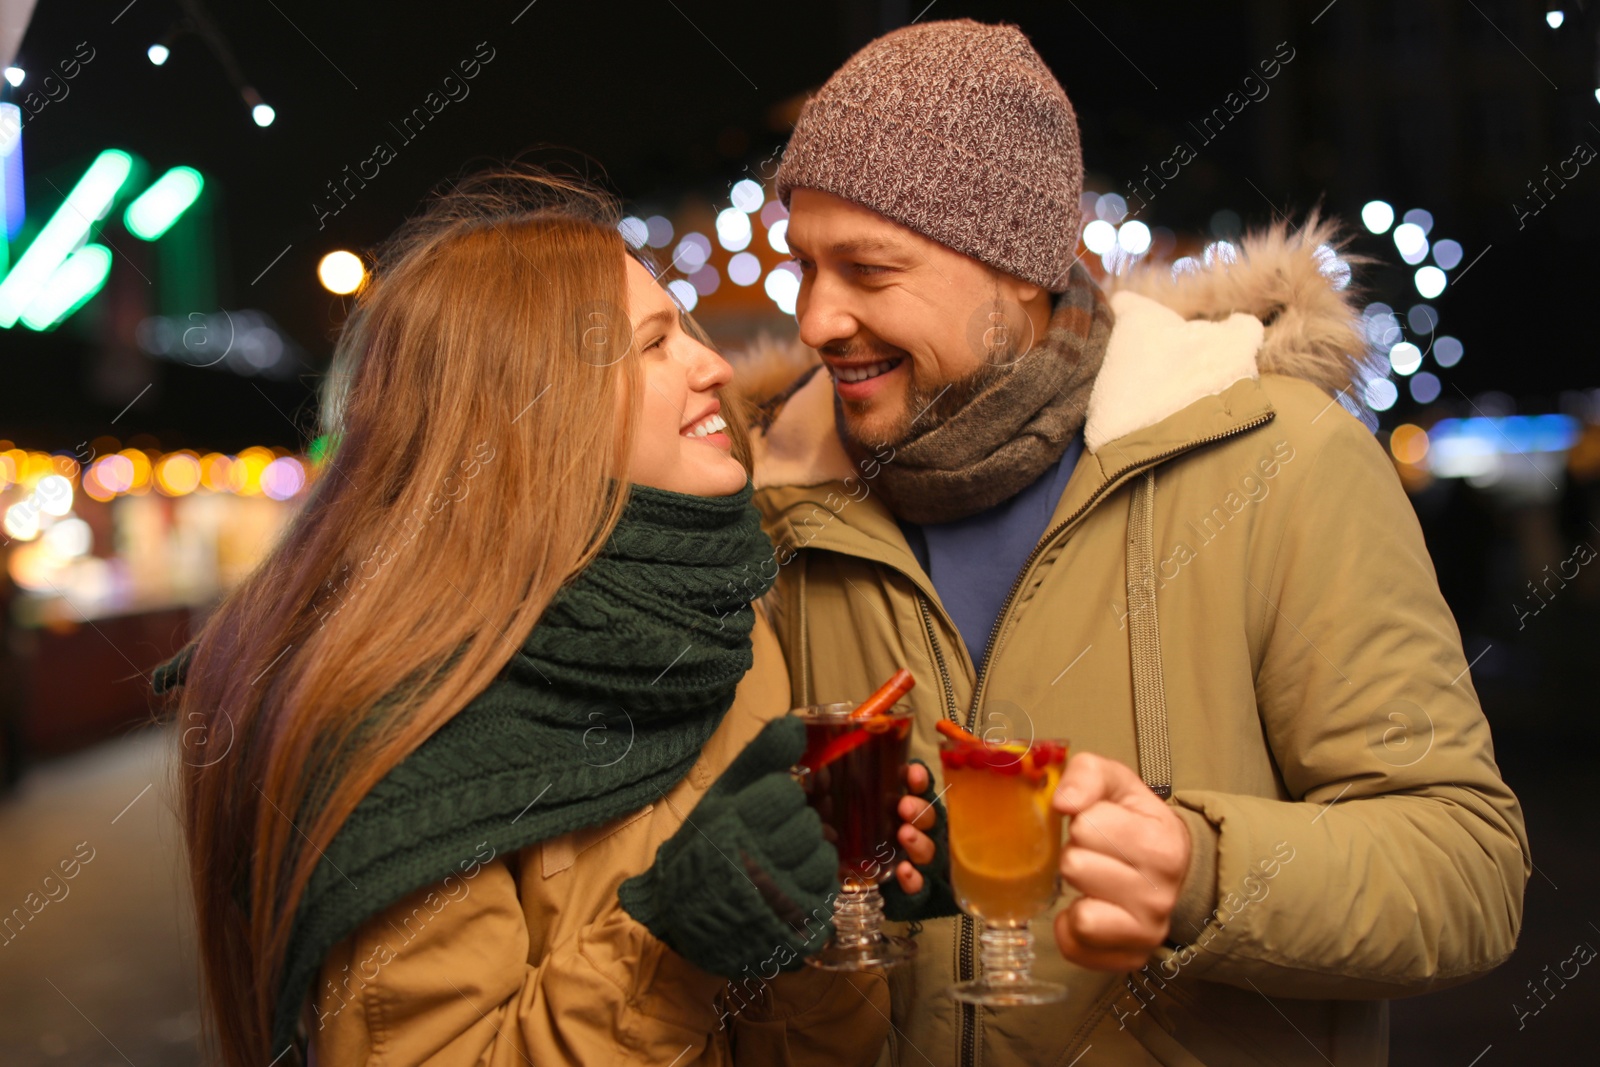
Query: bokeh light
658,231
744,269
634,231
54,495
1100,237
1134,237
1412,242
1426,387
214,471
68,538
1405,358
341,272
1447,351
747,196
684,293
691,253
178,473
1429,281
1381,394
1419,218
1111,208
1377,216
783,286
1422,318
778,236
706,280
283,478
733,229
1409,443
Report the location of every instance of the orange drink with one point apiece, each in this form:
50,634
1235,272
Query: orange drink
1005,847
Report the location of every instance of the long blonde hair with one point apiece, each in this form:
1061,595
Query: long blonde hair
473,408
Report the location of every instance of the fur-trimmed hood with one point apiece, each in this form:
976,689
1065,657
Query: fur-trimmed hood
1279,305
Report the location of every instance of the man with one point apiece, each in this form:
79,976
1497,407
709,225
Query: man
1142,521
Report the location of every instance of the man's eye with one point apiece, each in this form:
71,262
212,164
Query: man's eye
803,264
868,268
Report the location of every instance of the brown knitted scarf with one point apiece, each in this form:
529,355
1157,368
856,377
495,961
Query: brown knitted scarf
1013,427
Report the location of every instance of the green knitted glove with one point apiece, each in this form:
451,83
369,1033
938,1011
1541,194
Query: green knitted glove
935,898
748,880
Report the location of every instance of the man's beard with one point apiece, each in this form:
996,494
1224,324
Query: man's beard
927,407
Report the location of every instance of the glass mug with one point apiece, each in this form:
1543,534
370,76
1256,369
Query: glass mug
852,776
1005,849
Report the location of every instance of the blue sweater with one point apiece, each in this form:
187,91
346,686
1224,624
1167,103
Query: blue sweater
974,560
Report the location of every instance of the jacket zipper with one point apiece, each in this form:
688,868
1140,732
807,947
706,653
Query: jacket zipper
1044,542
965,949
965,927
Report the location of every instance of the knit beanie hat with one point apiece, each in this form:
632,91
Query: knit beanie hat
956,130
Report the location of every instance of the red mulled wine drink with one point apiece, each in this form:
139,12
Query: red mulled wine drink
853,775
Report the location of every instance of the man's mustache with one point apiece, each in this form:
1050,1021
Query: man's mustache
858,349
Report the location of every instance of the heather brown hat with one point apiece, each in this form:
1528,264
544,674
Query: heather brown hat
959,131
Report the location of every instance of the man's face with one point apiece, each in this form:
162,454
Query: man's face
905,325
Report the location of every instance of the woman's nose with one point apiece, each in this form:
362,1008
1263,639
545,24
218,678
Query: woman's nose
708,370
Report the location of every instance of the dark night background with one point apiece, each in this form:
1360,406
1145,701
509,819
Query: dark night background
1451,106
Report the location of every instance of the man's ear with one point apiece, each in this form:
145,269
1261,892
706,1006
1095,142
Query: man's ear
1024,293
1034,300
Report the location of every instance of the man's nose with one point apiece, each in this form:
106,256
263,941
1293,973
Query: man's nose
822,313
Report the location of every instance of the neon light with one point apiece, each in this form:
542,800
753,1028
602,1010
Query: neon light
69,287
86,204
159,206
11,172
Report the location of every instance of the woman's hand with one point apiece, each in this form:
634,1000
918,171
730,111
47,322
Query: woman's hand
749,877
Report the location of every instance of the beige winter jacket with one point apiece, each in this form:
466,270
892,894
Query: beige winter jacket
530,959
1353,839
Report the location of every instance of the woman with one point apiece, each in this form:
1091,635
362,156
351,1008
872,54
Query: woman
495,663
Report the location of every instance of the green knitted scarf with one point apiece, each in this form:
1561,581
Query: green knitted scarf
603,710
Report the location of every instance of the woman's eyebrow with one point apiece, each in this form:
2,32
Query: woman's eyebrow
655,318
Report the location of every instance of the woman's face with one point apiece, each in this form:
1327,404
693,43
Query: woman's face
680,444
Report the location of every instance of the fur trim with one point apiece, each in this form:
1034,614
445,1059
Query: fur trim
769,366
792,452
1313,330
1158,363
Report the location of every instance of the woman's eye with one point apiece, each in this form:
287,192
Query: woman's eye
657,343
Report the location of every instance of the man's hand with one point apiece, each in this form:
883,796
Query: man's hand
917,816
1127,854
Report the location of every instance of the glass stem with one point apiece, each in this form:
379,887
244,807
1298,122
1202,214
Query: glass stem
857,915
1007,954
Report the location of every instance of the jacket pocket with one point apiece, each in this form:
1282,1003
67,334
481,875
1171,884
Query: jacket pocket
665,1005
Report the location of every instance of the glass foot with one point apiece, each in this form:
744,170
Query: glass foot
883,952
1007,979
859,943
